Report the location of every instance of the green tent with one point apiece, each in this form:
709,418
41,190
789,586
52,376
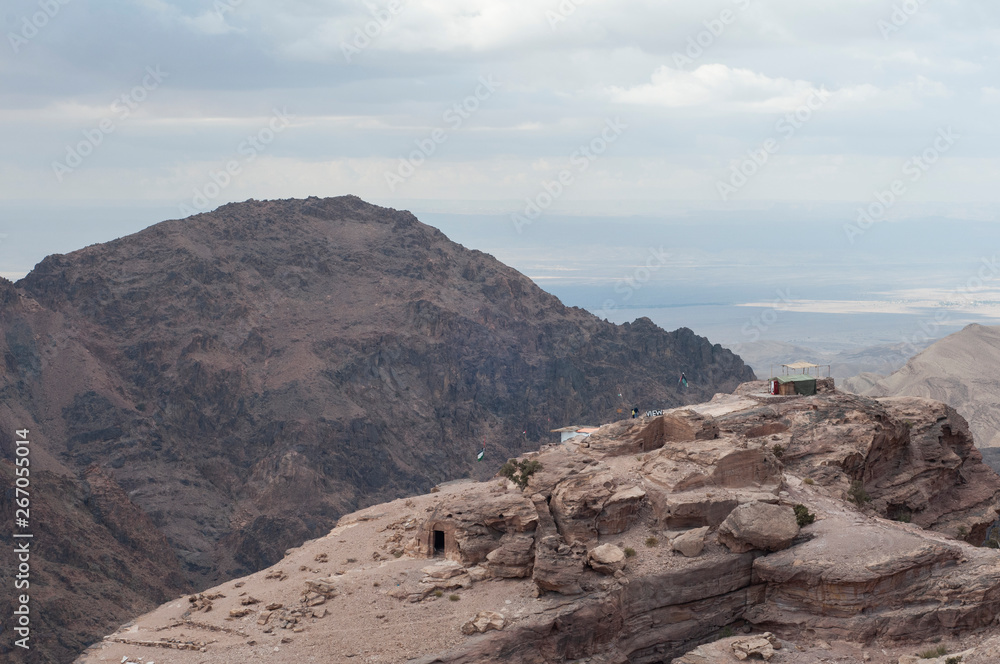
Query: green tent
803,383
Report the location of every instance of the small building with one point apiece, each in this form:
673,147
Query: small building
565,433
803,384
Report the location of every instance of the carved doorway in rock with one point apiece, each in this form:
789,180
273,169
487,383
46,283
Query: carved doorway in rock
438,543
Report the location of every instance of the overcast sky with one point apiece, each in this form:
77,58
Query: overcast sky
631,102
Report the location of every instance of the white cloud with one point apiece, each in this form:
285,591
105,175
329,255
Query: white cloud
717,85
730,89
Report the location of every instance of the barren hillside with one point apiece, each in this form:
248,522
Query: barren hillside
245,377
963,370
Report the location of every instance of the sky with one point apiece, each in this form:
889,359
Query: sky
489,100
844,115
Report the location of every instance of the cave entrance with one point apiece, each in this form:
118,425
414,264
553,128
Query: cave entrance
438,542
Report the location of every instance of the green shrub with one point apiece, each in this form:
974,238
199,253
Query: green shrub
778,450
454,598
519,472
858,494
940,651
954,660
438,593
652,541
963,532
803,516
810,481
629,552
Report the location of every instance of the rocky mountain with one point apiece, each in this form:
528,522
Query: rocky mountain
241,379
800,530
962,370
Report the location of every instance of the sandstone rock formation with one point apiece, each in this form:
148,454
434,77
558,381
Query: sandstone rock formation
690,543
852,577
248,376
607,559
959,370
758,525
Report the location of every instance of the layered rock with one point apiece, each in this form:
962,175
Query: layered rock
249,375
568,590
760,526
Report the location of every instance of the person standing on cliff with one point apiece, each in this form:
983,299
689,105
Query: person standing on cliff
635,412
683,382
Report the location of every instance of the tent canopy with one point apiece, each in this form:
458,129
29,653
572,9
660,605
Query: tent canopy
801,365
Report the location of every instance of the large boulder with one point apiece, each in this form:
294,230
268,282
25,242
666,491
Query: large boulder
607,559
690,543
759,525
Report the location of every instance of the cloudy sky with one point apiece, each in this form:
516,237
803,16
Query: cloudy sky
489,105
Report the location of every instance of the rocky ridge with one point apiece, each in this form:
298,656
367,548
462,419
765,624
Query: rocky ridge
960,370
246,377
592,561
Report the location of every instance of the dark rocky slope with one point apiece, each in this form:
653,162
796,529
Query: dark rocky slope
249,375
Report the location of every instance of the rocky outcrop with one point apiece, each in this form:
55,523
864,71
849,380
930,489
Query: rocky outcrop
959,370
759,526
569,592
859,579
249,375
690,543
606,559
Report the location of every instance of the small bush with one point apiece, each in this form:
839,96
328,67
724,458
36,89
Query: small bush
940,651
629,552
652,541
963,532
904,515
454,598
810,481
803,516
778,450
994,542
438,593
954,660
351,560
519,472
858,494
